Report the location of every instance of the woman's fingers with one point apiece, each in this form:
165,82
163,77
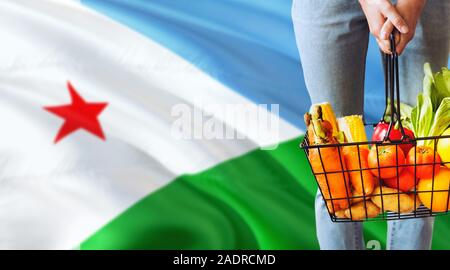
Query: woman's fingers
386,30
391,13
397,38
402,44
384,45
384,39
383,18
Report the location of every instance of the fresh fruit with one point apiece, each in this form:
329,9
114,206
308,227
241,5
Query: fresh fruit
439,191
443,148
387,157
395,135
424,158
405,181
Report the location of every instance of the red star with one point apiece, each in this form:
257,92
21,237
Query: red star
78,115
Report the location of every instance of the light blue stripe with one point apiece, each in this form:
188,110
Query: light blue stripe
248,45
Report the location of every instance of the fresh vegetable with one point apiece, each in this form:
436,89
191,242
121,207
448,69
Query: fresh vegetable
443,148
405,181
422,161
381,129
357,197
358,211
325,162
387,157
328,115
340,214
438,191
431,116
388,200
353,128
436,86
405,114
359,178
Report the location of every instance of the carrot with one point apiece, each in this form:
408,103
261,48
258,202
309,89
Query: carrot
326,163
359,178
333,183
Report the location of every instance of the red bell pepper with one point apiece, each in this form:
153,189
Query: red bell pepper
395,135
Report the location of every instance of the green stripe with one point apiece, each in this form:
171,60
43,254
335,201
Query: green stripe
261,200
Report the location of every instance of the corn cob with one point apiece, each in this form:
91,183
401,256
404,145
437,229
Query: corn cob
353,128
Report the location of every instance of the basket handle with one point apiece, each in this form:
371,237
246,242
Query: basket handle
392,90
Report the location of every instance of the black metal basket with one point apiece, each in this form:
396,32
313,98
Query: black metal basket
391,198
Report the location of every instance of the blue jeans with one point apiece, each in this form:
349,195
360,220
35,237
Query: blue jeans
332,39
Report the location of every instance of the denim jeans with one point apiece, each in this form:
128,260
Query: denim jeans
332,39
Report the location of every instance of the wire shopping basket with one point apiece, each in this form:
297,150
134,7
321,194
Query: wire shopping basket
430,191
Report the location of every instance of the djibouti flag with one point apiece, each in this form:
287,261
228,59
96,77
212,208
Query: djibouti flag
155,125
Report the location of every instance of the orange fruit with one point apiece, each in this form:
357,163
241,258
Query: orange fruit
405,181
443,148
441,200
387,157
424,159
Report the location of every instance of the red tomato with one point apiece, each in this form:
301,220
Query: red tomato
387,156
425,158
405,183
380,132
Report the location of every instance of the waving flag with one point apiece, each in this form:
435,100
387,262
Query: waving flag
88,154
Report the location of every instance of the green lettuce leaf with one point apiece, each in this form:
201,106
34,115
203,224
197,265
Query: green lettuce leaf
431,116
442,83
442,118
414,120
436,86
426,115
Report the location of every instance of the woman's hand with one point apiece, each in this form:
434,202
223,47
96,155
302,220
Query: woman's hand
410,10
379,12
